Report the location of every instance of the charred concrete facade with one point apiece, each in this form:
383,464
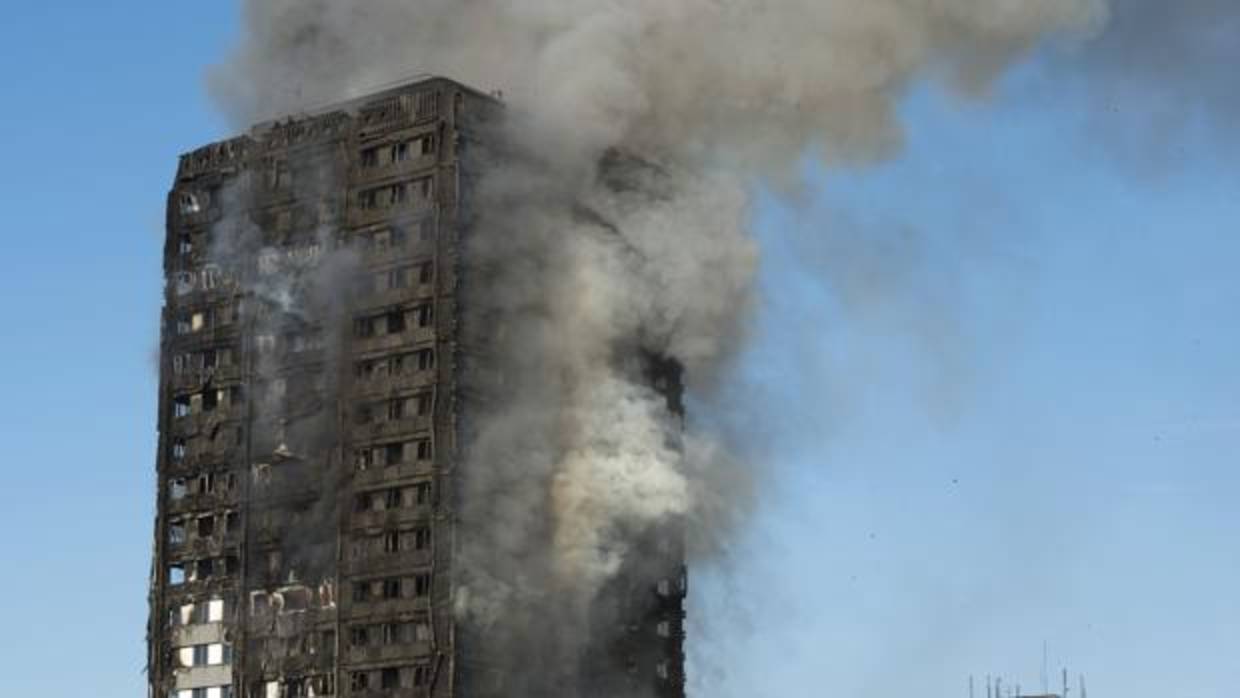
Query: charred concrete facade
312,419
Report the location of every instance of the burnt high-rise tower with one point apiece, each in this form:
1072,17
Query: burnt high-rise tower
320,369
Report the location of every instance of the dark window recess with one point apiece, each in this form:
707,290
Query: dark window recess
395,322
396,409
389,678
425,315
425,359
391,542
422,493
370,157
393,454
361,592
400,152
393,278
391,633
424,449
359,681
421,585
421,539
359,636
426,272
425,187
391,588
206,526
204,569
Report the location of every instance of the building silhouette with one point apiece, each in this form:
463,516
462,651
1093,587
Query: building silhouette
311,412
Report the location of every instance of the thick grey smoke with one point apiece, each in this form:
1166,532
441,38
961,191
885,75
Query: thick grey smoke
647,255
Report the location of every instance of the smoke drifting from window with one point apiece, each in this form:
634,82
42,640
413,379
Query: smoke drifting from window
617,232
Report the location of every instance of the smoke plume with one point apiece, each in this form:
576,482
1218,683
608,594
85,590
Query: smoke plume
617,236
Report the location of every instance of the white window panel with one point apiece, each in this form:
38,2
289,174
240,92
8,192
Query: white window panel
215,611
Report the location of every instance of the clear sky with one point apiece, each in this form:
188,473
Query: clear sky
996,379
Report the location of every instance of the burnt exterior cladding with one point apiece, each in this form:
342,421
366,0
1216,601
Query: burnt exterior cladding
309,413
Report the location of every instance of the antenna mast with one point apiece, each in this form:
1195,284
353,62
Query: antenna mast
1045,679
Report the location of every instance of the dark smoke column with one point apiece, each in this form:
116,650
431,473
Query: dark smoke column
346,345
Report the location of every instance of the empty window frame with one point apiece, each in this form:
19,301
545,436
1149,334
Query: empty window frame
385,239
391,588
390,195
190,202
396,364
395,322
407,497
392,279
176,532
416,539
392,322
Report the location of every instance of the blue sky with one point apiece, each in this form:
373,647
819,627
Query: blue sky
996,380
